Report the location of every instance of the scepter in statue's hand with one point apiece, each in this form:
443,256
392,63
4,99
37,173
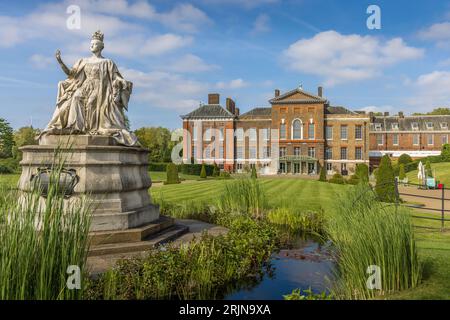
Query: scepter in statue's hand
61,63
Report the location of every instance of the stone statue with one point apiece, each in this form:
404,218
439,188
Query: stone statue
93,99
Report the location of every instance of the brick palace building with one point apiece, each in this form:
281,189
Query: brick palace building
301,132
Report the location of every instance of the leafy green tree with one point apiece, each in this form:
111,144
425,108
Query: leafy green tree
445,152
436,111
6,139
362,172
428,170
216,171
25,136
254,174
323,174
401,171
203,172
172,174
385,181
158,141
404,159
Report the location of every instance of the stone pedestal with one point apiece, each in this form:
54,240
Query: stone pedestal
115,177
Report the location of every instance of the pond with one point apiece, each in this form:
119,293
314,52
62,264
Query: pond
306,263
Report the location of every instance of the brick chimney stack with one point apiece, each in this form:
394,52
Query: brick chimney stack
320,91
213,98
230,105
386,114
400,114
277,93
237,112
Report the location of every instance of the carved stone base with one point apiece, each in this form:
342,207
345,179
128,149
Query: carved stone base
115,177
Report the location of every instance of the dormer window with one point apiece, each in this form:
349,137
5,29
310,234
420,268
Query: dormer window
415,126
378,127
394,126
430,126
444,125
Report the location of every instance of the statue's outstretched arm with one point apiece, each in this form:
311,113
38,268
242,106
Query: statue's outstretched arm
61,63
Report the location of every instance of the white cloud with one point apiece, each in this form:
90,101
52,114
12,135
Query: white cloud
166,90
233,84
438,32
261,24
190,63
383,108
40,61
248,4
429,91
49,22
184,17
341,58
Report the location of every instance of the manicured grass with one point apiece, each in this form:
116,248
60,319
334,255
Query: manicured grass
289,192
441,171
434,250
162,176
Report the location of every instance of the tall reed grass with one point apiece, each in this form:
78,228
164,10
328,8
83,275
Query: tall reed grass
40,238
297,220
243,195
367,232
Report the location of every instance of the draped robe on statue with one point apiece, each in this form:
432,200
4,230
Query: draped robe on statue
92,101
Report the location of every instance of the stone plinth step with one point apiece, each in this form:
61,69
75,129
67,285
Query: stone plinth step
151,242
130,235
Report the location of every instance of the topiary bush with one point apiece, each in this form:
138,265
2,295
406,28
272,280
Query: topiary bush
323,174
401,171
445,152
203,172
362,172
172,174
195,169
216,170
385,181
428,170
337,178
404,159
254,174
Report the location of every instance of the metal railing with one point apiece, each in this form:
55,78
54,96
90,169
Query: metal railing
441,198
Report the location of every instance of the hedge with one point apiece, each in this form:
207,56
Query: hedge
157,166
195,169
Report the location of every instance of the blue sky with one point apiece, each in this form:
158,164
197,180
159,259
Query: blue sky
176,52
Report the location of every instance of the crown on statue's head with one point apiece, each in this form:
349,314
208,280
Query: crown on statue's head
98,35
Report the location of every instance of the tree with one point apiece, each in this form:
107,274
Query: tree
323,174
401,172
254,174
435,111
172,174
216,170
362,172
404,159
6,139
445,152
203,172
428,170
385,182
158,141
25,136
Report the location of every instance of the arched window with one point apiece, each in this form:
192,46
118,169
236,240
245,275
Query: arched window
297,129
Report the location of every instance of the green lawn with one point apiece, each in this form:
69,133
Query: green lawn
434,246
434,250
442,173
162,176
307,194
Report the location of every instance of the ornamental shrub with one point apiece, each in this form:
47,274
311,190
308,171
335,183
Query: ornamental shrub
337,178
323,174
385,180
203,172
172,174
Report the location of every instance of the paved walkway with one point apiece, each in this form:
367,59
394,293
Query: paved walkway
99,264
413,193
